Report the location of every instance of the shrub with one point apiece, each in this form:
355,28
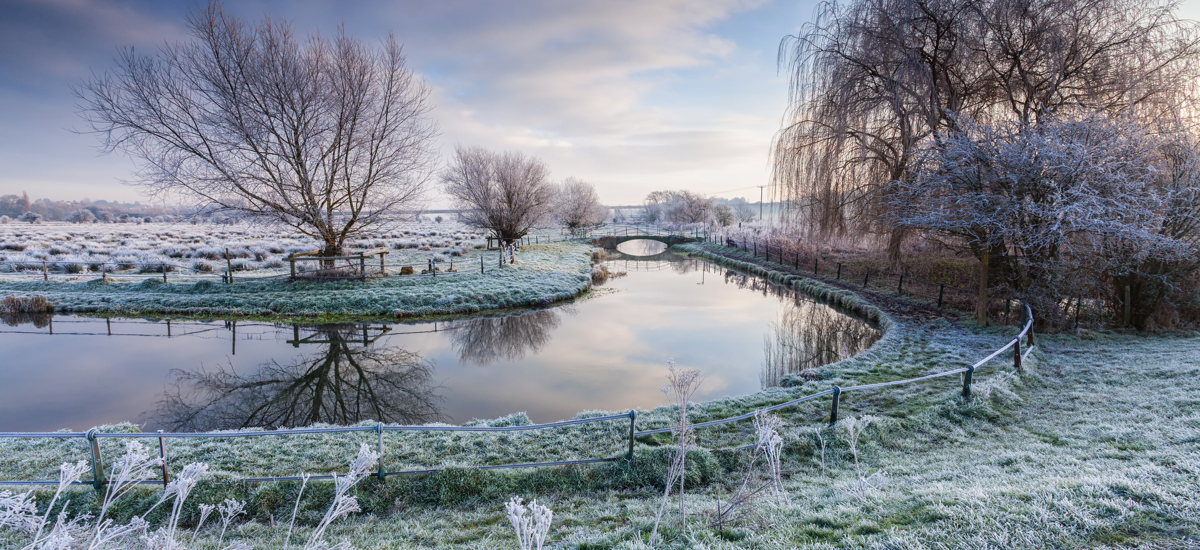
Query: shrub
25,304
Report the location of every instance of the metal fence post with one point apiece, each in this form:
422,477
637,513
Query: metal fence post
632,421
833,409
97,462
481,264
967,381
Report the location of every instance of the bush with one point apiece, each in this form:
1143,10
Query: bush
25,304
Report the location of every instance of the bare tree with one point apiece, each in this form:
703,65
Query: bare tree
744,212
578,205
328,137
677,207
507,193
723,214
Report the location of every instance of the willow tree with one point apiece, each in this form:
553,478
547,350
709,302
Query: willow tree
873,80
329,137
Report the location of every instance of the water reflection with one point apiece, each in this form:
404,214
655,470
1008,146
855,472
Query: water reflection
808,335
485,341
350,381
642,247
38,320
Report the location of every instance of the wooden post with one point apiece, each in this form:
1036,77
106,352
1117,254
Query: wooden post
295,336
228,267
867,278
1126,322
833,409
104,274
97,461
941,291
966,393
382,269
900,286
481,264
1017,355
816,262
632,423
162,454
292,260
839,273
981,301
46,274
362,266
164,270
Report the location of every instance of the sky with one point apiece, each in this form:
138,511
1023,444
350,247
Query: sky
630,95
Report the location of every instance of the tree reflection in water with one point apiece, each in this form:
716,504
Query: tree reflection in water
352,381
485,341
808,335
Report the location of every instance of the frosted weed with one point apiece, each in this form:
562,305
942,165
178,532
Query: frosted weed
531,523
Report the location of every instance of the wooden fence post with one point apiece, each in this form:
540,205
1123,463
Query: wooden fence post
900,286
941,290
228,267
967,381
839,273
867,278
833,409
1017,355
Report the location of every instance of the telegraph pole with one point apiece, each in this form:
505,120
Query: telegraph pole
760,202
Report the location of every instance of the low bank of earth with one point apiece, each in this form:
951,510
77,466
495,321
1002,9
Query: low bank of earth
1096,444
543,274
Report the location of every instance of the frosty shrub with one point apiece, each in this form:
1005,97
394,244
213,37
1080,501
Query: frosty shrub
26,304
531,523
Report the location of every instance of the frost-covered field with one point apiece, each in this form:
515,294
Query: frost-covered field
80,249
543,274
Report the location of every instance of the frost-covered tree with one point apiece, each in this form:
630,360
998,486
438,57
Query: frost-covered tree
506,193
82,215
329,137
873,80
1060,206
577,205
677,207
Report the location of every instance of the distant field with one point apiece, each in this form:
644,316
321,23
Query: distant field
254,249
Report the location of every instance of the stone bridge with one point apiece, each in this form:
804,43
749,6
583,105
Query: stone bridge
611,242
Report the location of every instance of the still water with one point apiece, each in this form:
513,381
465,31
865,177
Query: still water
609,351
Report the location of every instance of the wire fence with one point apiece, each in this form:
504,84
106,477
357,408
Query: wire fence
92,437
867,277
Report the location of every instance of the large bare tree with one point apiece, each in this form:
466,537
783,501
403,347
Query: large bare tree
506,193
330,137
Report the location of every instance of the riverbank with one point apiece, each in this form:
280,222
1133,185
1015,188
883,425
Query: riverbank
544,274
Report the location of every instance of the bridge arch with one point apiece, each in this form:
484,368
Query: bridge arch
611,242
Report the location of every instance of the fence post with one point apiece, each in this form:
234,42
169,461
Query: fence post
632,421
839,275
228,267
481,264
382,269
941,290
164,270
900,286
162,455
1017,354
967,381
833,410
1029,315
104,275
796,255
866,277
755,249
46,277
379,449
97,462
